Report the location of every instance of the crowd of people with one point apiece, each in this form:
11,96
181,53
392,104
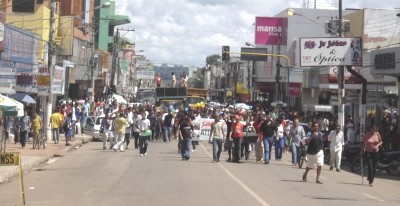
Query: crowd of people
282,130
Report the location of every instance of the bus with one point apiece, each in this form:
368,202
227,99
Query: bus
146,95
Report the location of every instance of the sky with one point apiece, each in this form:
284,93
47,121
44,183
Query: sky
185,32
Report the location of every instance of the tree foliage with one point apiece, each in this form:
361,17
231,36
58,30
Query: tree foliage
212,59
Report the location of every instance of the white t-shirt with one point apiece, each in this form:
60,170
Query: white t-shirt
143,124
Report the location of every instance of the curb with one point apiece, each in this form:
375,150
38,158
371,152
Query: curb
13,171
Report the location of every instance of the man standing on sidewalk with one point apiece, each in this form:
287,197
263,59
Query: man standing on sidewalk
56,120
120,124
25,124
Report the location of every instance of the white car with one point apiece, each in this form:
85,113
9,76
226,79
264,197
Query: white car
93,124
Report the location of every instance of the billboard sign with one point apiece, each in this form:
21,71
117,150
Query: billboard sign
142,74
271,30
8,79
257,56
294,89
58,80
336,51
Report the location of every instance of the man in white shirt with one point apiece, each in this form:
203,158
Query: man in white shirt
336,139
144,134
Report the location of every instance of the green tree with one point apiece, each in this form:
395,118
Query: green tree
212,59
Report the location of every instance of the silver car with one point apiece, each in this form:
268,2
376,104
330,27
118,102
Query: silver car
93,124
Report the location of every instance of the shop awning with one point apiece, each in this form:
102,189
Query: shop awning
323,108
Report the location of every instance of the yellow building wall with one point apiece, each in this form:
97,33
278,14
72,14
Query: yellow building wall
38,22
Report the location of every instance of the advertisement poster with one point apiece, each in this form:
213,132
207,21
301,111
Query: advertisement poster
271,31
335,51
203,128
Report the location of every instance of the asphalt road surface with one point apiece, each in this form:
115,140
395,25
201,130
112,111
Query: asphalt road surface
92,176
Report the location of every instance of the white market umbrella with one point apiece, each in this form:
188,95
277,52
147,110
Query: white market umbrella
10,106
242,106
278,103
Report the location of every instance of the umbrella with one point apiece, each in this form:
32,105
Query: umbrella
242,106
23,98
278,103
10,106
119,99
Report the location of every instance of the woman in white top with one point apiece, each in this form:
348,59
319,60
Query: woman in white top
279,141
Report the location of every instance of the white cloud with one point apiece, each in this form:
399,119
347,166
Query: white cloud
187,31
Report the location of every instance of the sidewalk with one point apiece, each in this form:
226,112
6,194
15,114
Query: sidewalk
31,158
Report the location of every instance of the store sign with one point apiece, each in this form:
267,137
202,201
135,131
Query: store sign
8,80
145,75
271,31
294,89
330,52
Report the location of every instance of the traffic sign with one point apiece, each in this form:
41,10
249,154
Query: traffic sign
9,159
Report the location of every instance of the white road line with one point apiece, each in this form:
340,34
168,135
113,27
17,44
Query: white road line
244,186
372,197
89,191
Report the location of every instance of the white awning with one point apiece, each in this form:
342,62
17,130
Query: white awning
323,108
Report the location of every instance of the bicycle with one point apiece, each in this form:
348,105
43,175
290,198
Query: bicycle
40,140
302,156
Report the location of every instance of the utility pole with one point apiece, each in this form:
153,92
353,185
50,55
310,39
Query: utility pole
93,61
114,57
341,90
51,60
115,62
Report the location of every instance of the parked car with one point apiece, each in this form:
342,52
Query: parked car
93,124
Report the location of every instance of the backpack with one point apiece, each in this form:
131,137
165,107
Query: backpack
65,125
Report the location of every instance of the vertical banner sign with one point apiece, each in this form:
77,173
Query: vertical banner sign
58,80
271,31
294,89
330,52
43,81
2,30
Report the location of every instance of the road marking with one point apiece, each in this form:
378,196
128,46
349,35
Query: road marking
372,197
244,186
88,192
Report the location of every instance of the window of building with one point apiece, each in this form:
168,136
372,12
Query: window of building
23,5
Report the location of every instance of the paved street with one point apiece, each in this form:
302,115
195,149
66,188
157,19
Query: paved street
92,176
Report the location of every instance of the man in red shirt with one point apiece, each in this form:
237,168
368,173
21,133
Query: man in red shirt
237,137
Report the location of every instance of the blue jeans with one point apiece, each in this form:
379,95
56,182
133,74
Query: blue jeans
295,153
167,133
279,144
56,135
237,142
267,141
185,149
217,149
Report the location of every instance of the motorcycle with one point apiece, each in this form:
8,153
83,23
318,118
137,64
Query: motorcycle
350,151
387,161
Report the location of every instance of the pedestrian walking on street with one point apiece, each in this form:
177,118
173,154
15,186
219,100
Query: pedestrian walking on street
36,126
185,135
105,128
128,130
68,129
336,139
268,129
56,120
217,137
370,144
315,154
296,133
25,124
120,125
144,135
237,138
279,140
